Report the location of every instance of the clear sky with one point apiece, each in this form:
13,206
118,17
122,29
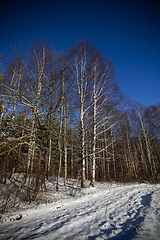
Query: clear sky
128,31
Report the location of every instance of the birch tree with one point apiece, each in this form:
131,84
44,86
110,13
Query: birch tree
106,99
140,113
78,60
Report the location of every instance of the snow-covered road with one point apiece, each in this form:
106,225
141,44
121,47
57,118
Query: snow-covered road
108,211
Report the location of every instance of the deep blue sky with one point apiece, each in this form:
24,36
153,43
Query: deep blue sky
128,31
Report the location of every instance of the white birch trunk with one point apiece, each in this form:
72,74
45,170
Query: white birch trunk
72,156
142,153
82,147
35,111
94,132
114,163
86,157
147,143
130,156
50,152
65,147
60,149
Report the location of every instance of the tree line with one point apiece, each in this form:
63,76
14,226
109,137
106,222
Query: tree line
64,115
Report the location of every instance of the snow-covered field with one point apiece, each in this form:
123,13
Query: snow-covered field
108,211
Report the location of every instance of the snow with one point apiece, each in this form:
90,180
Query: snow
107,211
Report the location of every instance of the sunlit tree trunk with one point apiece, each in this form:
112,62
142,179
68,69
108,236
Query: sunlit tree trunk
35,112
144,130
94,130
87,155
50,153
142,154
113,156
81,90
72,155
65,146
60,148
130,156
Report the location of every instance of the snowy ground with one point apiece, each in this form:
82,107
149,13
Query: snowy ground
108,211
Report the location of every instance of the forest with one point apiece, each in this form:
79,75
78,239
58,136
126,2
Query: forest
63,115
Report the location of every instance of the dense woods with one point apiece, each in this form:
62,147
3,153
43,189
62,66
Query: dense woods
64,115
